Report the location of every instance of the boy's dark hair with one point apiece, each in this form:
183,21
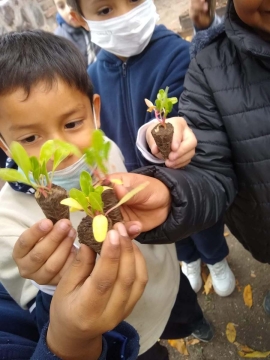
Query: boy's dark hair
75,5
26,58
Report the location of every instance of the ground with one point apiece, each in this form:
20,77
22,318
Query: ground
252,325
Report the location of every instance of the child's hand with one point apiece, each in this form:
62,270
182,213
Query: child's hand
84,307
200,14
183,145
43,252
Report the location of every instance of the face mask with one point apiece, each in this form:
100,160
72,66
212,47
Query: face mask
126,35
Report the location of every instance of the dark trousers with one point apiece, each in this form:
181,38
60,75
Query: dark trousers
184,319
210,245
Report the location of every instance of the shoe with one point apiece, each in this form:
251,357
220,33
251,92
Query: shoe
204,331
266,304
222,278
193,273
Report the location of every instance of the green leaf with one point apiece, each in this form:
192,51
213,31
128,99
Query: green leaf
12,175
173,100
95,201
80,198
58,157
86,183
90,157
106,150
99,189
44,173
67,147
100,165
47,151
35,168
158,104
97,140
21,158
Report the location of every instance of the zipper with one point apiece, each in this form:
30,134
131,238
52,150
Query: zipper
124,67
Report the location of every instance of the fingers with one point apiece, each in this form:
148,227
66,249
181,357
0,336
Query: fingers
134,228
40,258
30,237
80,269
98,287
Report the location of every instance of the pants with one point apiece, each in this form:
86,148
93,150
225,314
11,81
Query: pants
184,319
210,245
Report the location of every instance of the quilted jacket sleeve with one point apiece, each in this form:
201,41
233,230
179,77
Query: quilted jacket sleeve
202,191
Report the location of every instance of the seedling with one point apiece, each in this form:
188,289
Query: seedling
163,132
33,172
98,199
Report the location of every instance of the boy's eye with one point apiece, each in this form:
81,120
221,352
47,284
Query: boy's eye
29,139
73,124
104,11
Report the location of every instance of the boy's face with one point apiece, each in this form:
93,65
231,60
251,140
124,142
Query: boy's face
255,13
107,9
61,112
65,12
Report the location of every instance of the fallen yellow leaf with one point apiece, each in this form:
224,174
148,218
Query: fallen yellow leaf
208,285
254,354
179,345
226,234
231,332
243,348
193,342
248,296
204,274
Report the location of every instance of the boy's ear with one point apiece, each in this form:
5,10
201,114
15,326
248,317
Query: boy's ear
96,106
80,20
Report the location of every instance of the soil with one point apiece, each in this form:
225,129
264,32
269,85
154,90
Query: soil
51,206
85,232
163,138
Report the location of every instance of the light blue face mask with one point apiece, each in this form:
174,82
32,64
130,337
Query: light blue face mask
69,177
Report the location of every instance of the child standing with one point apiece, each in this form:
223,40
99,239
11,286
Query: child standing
70,29
137,59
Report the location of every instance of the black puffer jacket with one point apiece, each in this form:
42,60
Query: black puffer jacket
227,103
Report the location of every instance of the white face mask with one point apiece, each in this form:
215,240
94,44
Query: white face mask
126,35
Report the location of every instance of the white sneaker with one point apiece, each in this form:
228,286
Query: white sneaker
222,278
193,273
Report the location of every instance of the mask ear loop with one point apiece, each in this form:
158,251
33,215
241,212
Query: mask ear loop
95,118
3,141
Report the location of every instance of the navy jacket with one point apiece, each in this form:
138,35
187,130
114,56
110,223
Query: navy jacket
123,86
20,339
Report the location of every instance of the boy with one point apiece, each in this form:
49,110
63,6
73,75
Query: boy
226,103
70,29
56,101
137,59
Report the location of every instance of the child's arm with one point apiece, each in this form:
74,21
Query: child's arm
182,148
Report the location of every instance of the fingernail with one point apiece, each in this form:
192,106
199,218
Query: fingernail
113,237
64,226
45,225
135,229
122,230
72,234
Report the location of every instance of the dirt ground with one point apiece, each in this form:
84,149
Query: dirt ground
252,326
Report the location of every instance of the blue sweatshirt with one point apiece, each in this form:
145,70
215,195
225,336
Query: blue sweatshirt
123,86
20,339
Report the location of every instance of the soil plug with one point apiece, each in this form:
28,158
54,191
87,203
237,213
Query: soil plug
163,132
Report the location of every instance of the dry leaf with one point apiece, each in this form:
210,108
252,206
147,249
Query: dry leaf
254,354
204,274
231,332
180,345
226,234
253,274
208,285
243,348
248,296
193,342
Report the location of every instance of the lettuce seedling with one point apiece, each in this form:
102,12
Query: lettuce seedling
163,132
33,172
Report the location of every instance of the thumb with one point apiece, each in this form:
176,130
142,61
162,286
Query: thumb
133,228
